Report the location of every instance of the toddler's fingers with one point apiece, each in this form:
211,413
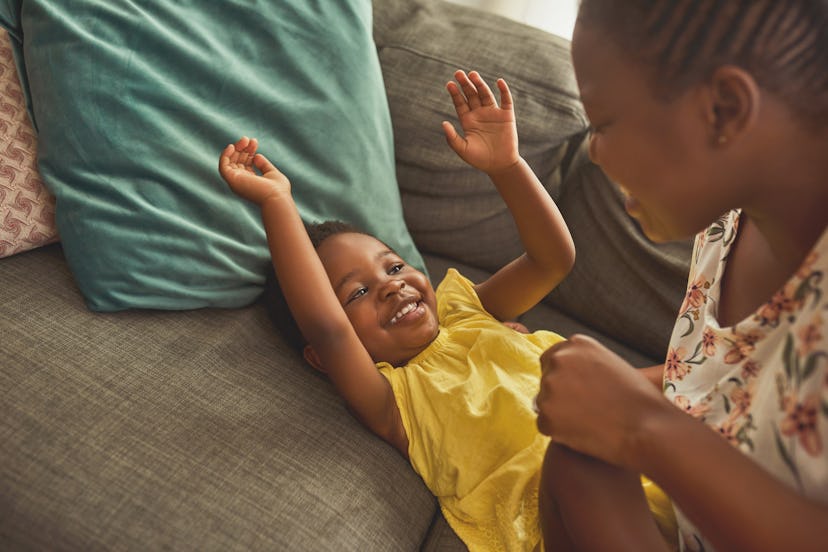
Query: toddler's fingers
242,143
472,97
483,90
459,101
505,94
264,165
225,158
226,153
455,141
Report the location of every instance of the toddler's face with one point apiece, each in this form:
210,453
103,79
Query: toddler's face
390,304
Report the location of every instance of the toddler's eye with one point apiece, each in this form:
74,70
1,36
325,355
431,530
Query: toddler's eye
396,268
356,295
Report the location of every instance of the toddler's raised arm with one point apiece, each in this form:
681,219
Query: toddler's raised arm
308,290
490,143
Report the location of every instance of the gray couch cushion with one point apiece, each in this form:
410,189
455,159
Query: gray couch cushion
197,430
622,286
453,210
203,430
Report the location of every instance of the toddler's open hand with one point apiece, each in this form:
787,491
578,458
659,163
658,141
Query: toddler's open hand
238,166
490,143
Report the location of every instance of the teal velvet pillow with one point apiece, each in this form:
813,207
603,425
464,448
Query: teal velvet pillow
134,100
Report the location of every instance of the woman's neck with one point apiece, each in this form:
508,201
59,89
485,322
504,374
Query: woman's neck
781,222
790,206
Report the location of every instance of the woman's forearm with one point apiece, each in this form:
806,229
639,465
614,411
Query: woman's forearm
732,500
654,374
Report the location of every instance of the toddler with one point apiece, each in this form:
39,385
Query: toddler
435,374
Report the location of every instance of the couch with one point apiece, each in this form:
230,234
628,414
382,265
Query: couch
201,429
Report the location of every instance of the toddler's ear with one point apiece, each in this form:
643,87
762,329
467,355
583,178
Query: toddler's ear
313,359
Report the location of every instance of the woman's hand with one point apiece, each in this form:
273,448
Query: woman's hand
490,143
594,402
238,164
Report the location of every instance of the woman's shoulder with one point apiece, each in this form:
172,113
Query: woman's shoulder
716,238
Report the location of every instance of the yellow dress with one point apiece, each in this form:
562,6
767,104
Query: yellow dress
466,405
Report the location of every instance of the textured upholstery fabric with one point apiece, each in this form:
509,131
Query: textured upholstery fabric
195,430
441,538
27,209
451,209
202,430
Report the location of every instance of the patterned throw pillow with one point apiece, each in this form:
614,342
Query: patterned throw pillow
27,209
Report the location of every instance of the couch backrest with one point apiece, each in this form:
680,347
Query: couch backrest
452,209
622,285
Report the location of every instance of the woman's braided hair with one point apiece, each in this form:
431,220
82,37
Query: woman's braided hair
782,43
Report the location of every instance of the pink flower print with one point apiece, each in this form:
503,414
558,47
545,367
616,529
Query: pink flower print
674,367
709,340
782,301
750,369
695,297
810,335
697,411
740,399
801,421
701,239
741,346
729,430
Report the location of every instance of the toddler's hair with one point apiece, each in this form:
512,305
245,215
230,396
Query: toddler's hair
782,43
274,299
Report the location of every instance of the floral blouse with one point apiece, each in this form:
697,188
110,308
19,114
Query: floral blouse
762,383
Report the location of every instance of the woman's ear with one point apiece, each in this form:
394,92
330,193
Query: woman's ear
733,104
313,359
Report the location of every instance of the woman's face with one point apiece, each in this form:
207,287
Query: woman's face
660,152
